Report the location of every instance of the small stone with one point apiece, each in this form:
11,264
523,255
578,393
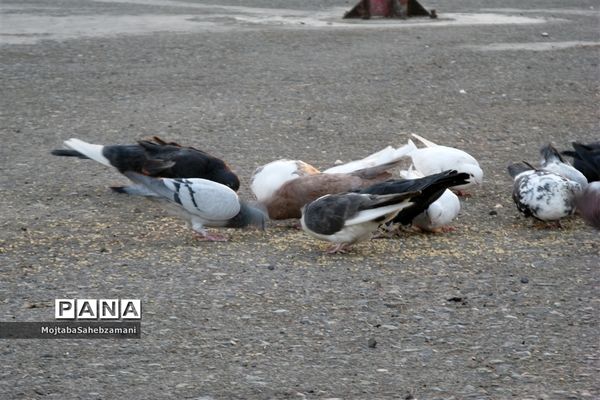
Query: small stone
524,279
545,34
493,212
372,343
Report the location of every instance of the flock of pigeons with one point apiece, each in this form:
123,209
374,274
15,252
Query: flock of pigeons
346,203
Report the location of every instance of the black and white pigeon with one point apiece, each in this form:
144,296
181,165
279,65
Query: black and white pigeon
156,158
347,218
586,158
203,203
552,161
431,188
542,194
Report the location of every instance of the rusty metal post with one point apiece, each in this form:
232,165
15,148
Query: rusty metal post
387,9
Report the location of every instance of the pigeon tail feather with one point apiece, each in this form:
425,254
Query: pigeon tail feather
517,168
372,172
93,151
427,143
68,153
549,154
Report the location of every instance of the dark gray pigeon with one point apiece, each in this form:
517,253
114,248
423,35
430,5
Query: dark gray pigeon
156,158
347,218
541,194
203,203
588,204
586,158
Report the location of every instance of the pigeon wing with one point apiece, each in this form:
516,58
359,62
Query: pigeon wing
206,199
427,143
374,207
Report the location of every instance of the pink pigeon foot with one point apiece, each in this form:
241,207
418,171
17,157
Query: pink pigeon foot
340,248
208,237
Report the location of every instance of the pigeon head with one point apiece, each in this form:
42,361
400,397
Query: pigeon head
249,216
475,173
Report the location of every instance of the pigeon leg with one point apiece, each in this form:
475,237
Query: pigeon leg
201,234
387,231
339,248
548,225
462,193
209,237
295,225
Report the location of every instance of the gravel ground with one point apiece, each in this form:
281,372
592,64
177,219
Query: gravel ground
497,309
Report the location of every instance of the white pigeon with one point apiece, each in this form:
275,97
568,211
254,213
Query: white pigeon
203,203
541,194
347,218
435,158
552,161
385,156
440,213
266,180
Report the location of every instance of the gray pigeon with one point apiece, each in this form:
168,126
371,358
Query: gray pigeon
203,203
588,204
347,218
541,194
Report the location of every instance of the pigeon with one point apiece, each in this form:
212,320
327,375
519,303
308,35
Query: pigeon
266,180
347,218
203,203
552,161
586,158
542,194
288,200
387,155
434,158
588,204
155,158
435,207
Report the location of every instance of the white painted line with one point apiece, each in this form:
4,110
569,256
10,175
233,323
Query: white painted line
531,46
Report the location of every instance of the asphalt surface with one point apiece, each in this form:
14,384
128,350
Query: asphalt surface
497,309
